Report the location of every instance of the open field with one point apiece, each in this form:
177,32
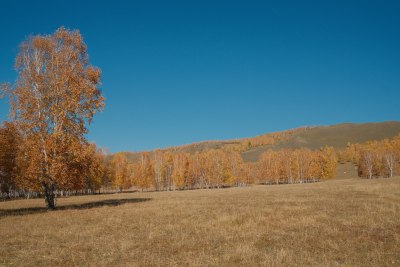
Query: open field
349,222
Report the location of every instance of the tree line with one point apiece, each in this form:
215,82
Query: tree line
161,170
374,158
218,168
214,168
297,166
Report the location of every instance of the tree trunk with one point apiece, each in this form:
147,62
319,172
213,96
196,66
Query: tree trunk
50,197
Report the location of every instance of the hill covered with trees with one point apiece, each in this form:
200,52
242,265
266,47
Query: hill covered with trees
311,137
301,155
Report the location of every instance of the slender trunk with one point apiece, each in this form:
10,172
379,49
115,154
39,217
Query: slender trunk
50,197
389,164
370,172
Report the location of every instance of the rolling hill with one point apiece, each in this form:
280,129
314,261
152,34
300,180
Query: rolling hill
337,136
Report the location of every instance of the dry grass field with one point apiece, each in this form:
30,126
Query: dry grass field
348,222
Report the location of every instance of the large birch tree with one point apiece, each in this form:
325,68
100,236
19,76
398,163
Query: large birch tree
52,102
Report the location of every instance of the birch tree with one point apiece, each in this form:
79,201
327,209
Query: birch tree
366,166
53,101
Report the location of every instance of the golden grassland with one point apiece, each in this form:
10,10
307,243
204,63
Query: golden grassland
349,222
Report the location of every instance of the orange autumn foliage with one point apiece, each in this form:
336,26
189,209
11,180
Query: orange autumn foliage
53,101
374,158
297,166
9,141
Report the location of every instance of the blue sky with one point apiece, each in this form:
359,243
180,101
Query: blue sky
177,72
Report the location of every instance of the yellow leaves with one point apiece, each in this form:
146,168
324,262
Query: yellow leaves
41,44
9,140
301,165
267,139
328,161
56,94
93,74
121,171
374,158
70,38
180,170
170,171
4,89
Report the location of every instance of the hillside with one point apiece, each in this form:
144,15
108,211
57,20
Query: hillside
189,148
337,136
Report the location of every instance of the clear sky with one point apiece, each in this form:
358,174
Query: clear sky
177,72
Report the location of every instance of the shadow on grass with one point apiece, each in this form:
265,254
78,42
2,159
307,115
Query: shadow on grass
83,206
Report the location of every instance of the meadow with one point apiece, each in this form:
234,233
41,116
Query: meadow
342,222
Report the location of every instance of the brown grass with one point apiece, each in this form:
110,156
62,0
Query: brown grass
350,222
